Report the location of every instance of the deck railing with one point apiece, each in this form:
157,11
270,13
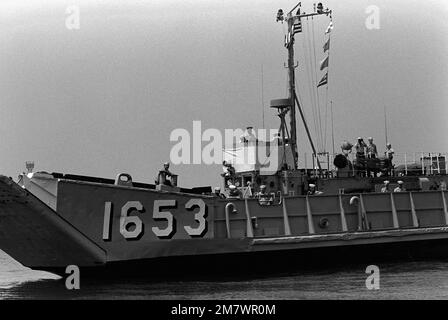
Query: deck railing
408,163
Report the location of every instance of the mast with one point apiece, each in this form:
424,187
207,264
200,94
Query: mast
291,90
291,19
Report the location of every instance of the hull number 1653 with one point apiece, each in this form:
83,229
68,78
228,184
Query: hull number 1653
160,212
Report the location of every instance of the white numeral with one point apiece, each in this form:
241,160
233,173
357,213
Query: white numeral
126,220
199,217
164,215
106,222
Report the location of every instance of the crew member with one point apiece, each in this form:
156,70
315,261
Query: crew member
400,187
360,165
263,197
234,193
346,148
218,193
312,190
389,153
371,149
360,148
164,174
385,189
248,136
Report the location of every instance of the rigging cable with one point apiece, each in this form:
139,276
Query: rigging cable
326,89
262,97
327,85
320,147
311,84
308,76
300,100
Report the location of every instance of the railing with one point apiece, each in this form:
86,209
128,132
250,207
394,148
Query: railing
409,163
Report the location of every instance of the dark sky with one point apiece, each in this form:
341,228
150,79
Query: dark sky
104,99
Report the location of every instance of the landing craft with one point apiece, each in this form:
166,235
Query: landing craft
271,216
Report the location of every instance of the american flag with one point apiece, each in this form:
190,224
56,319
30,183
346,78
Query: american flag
297,26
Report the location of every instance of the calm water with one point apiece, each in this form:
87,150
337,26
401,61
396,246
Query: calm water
414,280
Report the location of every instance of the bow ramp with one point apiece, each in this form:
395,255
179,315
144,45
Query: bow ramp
36,236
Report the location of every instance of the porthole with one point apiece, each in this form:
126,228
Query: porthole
324,223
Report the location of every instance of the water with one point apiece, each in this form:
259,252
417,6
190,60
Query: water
411,280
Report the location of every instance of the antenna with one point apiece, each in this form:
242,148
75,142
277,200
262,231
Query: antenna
385,124
262,96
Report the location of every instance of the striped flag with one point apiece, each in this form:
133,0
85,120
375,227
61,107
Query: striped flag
288,40
329,28
297,26
324,63
324,80
327,45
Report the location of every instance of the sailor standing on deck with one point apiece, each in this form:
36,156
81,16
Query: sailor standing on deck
385,189
360,148
248,136
389,153
372,152
234,193
263,197
400,187
162,178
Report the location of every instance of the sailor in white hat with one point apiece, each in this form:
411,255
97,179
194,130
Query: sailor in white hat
248,136
400,187
371,149
312,190
386,186
234,192
263,197
389,153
